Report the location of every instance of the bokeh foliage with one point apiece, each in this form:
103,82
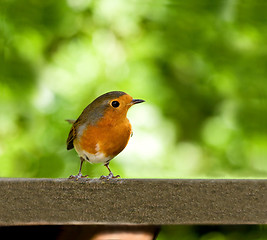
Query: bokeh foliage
213,232
200,66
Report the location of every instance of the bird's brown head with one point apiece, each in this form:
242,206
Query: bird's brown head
112,106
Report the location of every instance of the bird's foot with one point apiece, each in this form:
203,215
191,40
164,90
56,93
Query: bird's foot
108,177
78,176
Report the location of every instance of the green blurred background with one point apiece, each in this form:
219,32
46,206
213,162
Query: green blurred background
201,66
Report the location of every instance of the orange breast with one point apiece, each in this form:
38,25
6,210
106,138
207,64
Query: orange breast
107,137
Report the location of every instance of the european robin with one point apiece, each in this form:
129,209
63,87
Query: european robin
102,130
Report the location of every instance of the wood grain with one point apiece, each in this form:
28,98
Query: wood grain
132,201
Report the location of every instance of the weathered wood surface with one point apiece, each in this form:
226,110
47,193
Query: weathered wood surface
132,201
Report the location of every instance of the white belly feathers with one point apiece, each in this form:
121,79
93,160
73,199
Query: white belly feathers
98,157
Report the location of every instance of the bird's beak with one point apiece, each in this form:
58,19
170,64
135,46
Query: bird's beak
135,101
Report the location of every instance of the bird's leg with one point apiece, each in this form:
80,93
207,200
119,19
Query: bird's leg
110,176
79,175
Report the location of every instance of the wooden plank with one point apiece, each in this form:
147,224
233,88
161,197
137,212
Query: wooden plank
132,201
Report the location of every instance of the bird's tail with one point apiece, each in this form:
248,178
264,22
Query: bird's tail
71,121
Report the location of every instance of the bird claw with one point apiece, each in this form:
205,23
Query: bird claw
108,177
78,176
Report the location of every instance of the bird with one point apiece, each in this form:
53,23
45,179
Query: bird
102,130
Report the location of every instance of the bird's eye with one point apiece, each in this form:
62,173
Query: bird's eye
115,104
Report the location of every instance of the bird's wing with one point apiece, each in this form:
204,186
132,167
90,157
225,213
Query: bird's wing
71,137
76,125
